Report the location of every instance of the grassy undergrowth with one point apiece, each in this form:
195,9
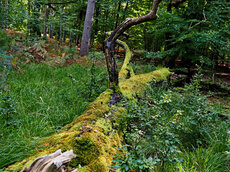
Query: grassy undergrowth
172,129
42,101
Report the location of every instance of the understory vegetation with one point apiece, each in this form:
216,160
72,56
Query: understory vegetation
41,102
50,84
174,129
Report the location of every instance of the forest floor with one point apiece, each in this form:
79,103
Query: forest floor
50,59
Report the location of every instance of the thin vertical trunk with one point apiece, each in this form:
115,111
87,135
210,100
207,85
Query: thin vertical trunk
170,61
70,36
28,17
118,10
45,23
105,23
145,38
51,25
63,34
96,20
1,15
84,51
79,26
6,13
51,31
36,21
126,8
60,25
60,33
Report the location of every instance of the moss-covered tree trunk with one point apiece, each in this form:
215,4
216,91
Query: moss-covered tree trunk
95,134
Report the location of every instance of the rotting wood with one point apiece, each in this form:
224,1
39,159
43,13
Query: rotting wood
55,162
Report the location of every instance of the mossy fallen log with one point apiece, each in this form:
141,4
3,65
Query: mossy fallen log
95,135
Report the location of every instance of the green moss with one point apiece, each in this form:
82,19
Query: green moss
85,150
104,124
134,86
85,169
126,70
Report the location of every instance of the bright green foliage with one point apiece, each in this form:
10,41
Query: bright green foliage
173,130
196,31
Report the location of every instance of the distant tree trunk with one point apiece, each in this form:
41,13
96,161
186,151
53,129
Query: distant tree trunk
63,34
51,13
105,23
70,36
45,23
126,8
6,13
146,42
1,15
28,17
170,61
36,23
60,33
60,27
51,31
79,26
118,10
84,51
96,21
109,43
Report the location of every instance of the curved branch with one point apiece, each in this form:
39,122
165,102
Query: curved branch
109,43
129,22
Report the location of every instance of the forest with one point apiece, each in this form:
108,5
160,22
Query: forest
114,85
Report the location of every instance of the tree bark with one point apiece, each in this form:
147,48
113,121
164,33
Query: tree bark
6,13
63,33
79,26
1,15
45,23
51,31
109,43
118,10
84,51
28,17
96,21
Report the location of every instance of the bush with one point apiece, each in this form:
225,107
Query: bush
173,126
5,45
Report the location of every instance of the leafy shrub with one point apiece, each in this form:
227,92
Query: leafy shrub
168,122
5,45
7,109
5,41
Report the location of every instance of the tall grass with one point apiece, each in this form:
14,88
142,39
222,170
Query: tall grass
37,104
